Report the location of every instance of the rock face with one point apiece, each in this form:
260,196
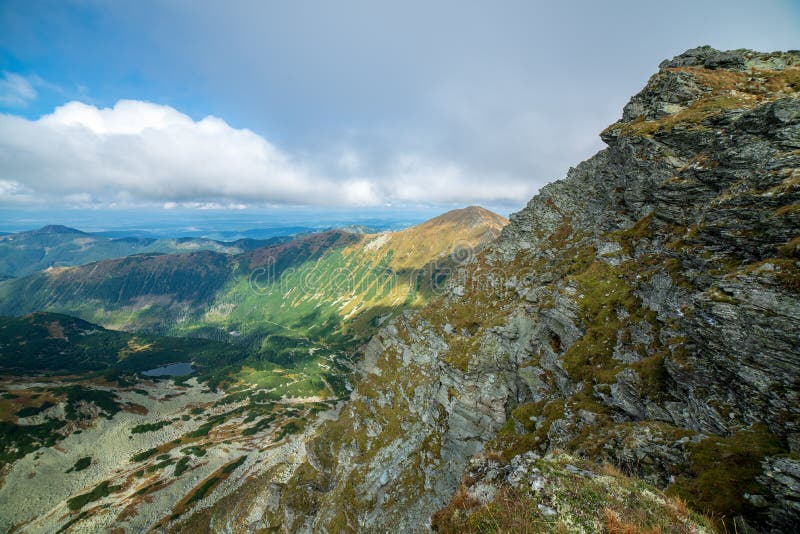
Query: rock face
644,311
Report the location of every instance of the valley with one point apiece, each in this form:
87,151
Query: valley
267,340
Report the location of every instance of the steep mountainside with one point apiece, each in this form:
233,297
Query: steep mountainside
644,311
25,253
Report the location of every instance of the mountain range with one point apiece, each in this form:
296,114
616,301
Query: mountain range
621,356
24,253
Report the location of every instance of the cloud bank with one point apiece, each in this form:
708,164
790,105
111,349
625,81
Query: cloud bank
144,153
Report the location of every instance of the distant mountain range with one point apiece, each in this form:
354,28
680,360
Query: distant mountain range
25,253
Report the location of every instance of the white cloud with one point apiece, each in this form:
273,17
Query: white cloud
139,152
16,90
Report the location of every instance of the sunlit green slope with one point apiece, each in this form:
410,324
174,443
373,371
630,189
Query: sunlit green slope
297,307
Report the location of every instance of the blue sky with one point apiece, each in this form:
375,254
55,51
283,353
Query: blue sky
246,105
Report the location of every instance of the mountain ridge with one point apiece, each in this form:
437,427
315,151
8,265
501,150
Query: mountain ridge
57,229
651,325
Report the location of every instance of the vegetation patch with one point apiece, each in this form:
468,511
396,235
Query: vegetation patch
263,424
231,467
181,466
18,440
723,469
150,427
34,410
293,426
569,501
81,464
527,428
194,450
204,488
106,401
460,351
144,455
103,489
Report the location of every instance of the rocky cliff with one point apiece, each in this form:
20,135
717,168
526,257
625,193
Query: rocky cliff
643,313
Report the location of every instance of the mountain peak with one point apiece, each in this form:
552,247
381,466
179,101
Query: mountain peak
57,229
470,228
741,59
705,86
469,216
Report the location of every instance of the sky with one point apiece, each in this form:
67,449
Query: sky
346,105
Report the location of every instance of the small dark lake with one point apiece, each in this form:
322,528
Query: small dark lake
173,369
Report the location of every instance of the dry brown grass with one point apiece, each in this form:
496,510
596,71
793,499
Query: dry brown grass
25,399
611,470
508,512
462,500
447,519
615,525
680,506
55,330
419,245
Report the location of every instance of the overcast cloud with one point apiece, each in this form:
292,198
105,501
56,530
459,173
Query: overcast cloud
343,103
